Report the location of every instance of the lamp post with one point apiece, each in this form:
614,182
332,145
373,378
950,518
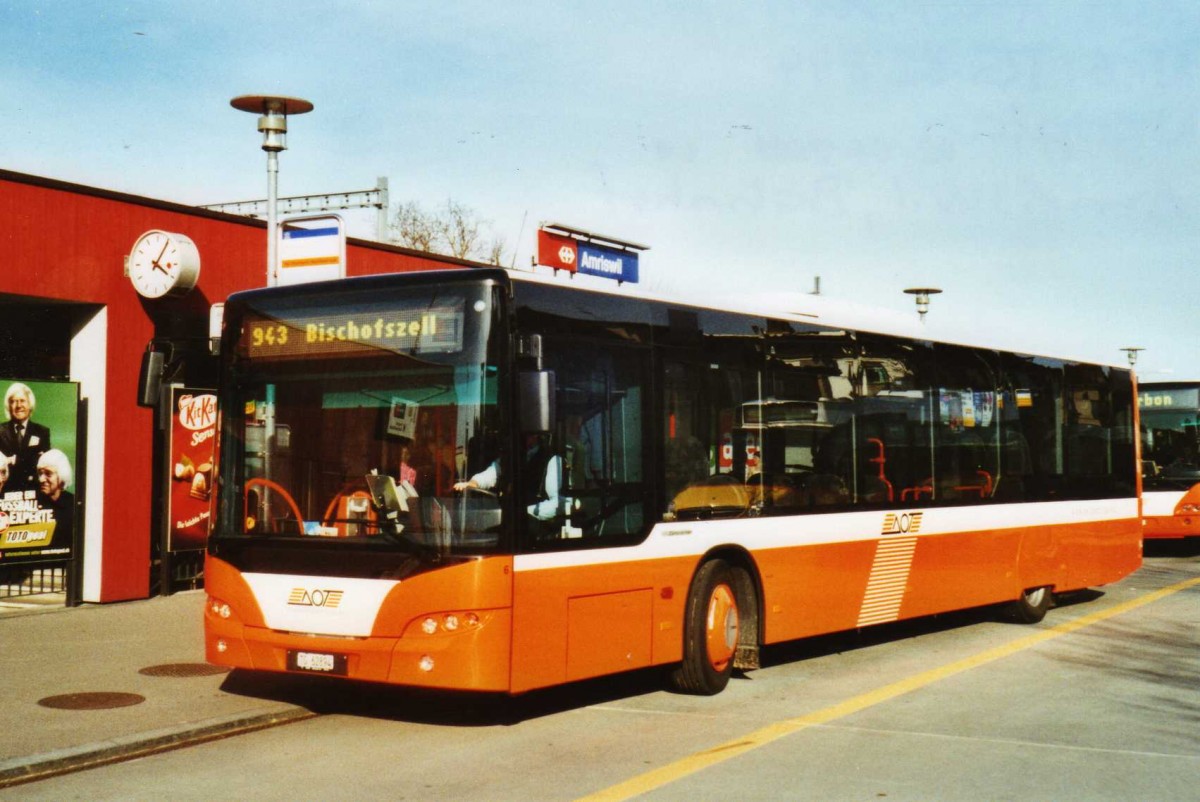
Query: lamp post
922,298
1131,351
274,111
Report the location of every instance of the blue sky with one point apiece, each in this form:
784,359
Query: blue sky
1038,161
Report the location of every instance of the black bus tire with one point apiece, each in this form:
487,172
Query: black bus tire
712,623
1031,606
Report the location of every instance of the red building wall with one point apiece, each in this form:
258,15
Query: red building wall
68,242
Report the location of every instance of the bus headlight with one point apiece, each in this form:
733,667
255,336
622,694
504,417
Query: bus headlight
219,608
450,622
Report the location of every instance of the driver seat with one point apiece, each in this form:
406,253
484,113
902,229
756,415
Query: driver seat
352,514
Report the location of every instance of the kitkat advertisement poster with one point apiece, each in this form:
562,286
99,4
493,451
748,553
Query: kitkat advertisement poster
193,433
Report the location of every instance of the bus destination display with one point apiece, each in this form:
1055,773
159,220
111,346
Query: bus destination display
423,330
1183,398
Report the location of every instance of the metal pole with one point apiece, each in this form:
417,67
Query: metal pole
272,218
381,216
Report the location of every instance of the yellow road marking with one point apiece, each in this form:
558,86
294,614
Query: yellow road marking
773,732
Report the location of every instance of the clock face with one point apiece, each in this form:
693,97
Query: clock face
163,263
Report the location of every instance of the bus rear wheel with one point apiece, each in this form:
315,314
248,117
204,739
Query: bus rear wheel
712,626
1031,606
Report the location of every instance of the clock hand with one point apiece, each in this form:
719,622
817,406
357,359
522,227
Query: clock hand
154,262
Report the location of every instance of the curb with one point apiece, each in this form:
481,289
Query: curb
18,771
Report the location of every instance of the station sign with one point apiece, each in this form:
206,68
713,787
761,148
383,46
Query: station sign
596,260
311,249
575,255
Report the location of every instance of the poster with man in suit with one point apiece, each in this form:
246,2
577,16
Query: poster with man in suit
22,440
38,496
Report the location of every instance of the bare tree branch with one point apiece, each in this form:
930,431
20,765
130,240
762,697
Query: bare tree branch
460,229
413,228
455,230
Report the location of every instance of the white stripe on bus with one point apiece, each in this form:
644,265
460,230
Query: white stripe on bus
668,540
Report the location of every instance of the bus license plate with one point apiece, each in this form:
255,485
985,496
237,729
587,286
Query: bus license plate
317,662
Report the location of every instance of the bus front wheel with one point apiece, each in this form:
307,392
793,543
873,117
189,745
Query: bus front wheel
1031,606
712,625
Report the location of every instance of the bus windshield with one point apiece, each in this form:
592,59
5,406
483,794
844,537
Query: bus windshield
1170,437
333,401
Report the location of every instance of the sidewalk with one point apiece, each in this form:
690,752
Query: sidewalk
97,655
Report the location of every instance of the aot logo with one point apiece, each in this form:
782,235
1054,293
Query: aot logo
303,597
566,255
906,523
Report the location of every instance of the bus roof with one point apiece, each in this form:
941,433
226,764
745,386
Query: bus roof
797,307
819,310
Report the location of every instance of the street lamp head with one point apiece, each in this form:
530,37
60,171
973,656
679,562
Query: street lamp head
273,125
274,111
1131,351
922,298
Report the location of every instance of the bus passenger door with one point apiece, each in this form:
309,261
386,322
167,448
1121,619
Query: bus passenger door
581,492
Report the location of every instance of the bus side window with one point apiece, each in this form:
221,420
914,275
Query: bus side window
596,444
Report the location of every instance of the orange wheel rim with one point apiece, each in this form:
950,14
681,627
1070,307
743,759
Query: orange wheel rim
721,627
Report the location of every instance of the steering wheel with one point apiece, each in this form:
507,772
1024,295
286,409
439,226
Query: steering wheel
274,487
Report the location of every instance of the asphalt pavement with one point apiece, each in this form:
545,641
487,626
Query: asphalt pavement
94,684
97,684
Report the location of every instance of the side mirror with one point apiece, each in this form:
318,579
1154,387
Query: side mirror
216,321
535,400
150,378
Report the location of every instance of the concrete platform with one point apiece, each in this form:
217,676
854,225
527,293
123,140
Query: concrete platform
98,683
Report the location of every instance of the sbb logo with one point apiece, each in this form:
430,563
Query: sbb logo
567,255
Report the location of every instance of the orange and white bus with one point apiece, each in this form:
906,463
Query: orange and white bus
1170,429
495,481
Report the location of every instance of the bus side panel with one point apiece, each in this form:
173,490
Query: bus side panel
963,569
813,590
1101,552
1074,556
817,589
587,620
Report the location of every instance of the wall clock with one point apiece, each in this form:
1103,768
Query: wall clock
163,263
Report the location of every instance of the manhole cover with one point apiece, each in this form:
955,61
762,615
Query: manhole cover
97,700
183,670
